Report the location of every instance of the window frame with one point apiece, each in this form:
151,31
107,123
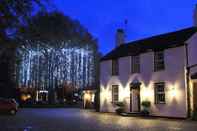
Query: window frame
135,64
115,100
115,67
159,61
157,93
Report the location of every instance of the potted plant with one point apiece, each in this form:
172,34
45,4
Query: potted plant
146,107
120,108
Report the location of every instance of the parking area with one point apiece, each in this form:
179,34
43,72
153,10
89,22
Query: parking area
71,119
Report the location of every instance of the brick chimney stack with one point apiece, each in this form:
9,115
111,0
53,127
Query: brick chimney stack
120,37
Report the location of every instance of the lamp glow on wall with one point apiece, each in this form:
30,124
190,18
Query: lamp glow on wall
173,92
146,92
105,93
87,96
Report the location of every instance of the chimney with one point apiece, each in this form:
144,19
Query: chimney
120,37
195,16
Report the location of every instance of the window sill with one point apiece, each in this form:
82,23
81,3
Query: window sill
160,103
159,70
114,75
135,73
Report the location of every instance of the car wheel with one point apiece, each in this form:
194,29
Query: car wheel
12,112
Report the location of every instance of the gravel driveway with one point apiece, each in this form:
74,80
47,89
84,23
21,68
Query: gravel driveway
84,120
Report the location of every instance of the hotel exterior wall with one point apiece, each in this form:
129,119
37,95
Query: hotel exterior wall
173,76
192,54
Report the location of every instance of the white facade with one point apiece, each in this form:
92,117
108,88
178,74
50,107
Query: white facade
174,76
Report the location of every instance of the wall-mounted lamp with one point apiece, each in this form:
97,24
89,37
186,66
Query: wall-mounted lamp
173,92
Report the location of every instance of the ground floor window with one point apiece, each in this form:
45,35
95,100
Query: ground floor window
159,93
115,93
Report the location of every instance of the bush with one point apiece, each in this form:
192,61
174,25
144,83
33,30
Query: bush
146,107
119,110
121,107
194,116
120,104
146,104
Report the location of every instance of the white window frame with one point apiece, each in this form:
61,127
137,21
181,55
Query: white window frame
135,64
115,67
115,100
157,101
159,62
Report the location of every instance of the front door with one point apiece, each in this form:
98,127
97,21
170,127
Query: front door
135,100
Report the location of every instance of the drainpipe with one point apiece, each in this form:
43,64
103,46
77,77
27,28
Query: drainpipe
187,82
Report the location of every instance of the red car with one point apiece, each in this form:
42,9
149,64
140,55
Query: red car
8,105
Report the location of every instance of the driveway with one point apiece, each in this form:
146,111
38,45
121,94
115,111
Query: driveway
83,120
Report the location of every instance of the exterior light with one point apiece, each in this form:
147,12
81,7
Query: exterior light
25,97
93,96
28,96
146,93
87,96
173,92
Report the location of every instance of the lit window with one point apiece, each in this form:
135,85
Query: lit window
159,93
159,63
135,64
115,67
115,93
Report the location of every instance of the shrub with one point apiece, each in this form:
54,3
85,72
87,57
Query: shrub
194,116
120,104
119,110
121,107
146,107
146,104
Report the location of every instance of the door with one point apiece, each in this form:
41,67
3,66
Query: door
134,100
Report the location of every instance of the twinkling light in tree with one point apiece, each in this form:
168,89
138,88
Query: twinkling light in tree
49,68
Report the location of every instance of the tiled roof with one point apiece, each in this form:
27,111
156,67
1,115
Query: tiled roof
155,43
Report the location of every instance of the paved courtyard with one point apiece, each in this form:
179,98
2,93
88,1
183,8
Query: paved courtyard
83,120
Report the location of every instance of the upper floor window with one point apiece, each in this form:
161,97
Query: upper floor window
135,64
115,93
159,93
159,63
115,67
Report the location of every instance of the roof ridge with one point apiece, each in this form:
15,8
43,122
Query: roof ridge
159,35
157,42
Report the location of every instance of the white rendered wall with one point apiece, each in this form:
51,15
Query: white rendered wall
173,76
192,52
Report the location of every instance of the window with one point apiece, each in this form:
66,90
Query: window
135,64
115,67
159,61
159,93
115,93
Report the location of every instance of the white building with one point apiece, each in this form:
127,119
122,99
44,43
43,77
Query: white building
161,69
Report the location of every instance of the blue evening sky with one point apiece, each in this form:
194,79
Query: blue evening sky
145,17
